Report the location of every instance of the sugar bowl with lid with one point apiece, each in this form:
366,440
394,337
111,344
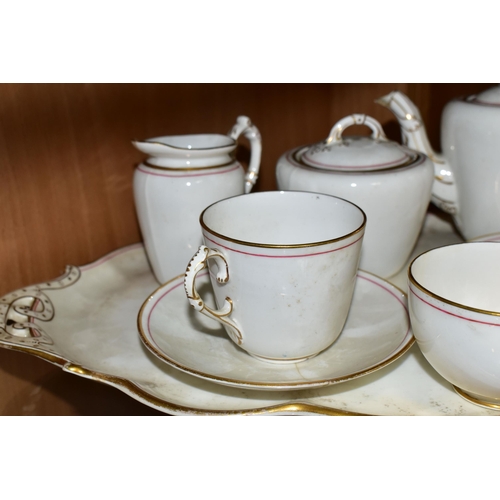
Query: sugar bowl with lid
390,182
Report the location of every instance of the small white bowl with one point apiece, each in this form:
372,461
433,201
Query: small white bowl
454,301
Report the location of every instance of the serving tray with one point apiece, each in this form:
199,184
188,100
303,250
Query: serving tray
86,323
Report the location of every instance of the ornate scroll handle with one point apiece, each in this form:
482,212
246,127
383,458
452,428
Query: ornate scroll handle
197,264
356,119
251,132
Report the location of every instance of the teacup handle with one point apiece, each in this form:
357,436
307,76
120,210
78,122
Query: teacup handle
244,126
356,119
197,264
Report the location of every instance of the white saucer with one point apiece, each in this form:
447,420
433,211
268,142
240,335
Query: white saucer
377,333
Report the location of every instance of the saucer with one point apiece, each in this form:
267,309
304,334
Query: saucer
377,332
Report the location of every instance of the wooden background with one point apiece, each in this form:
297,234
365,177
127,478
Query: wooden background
66,165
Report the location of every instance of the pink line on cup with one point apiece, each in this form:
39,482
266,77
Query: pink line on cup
452,314
282,256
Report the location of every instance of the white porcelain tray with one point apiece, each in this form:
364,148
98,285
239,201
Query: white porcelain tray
86,322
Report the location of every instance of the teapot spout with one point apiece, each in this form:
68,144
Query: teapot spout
412,126
414,136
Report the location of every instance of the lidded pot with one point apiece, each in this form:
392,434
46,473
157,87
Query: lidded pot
391,183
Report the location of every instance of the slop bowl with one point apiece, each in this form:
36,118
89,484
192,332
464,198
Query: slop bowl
454,302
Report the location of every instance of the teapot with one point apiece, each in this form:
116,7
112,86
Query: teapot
182,176
467,172
389,182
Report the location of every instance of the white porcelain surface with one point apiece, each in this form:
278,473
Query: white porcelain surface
283,268
390,182
467,171
376,333
93,334
353,153
185,174
455,312
490,97
185,151
487,237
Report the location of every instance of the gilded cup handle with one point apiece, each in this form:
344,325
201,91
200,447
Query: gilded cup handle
197,264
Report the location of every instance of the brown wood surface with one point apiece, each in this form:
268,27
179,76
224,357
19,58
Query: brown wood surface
66,164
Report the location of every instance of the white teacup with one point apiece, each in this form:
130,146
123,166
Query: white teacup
454,304
283,267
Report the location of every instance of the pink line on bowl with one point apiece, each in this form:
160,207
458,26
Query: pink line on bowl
452,314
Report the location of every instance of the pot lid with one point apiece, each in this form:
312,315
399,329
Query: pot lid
354,153
490,97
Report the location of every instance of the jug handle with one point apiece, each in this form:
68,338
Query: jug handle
356,119
244,126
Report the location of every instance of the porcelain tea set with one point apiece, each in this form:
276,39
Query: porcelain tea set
283,271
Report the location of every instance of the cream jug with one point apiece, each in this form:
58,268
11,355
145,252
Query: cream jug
182,176
467,172
389,182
